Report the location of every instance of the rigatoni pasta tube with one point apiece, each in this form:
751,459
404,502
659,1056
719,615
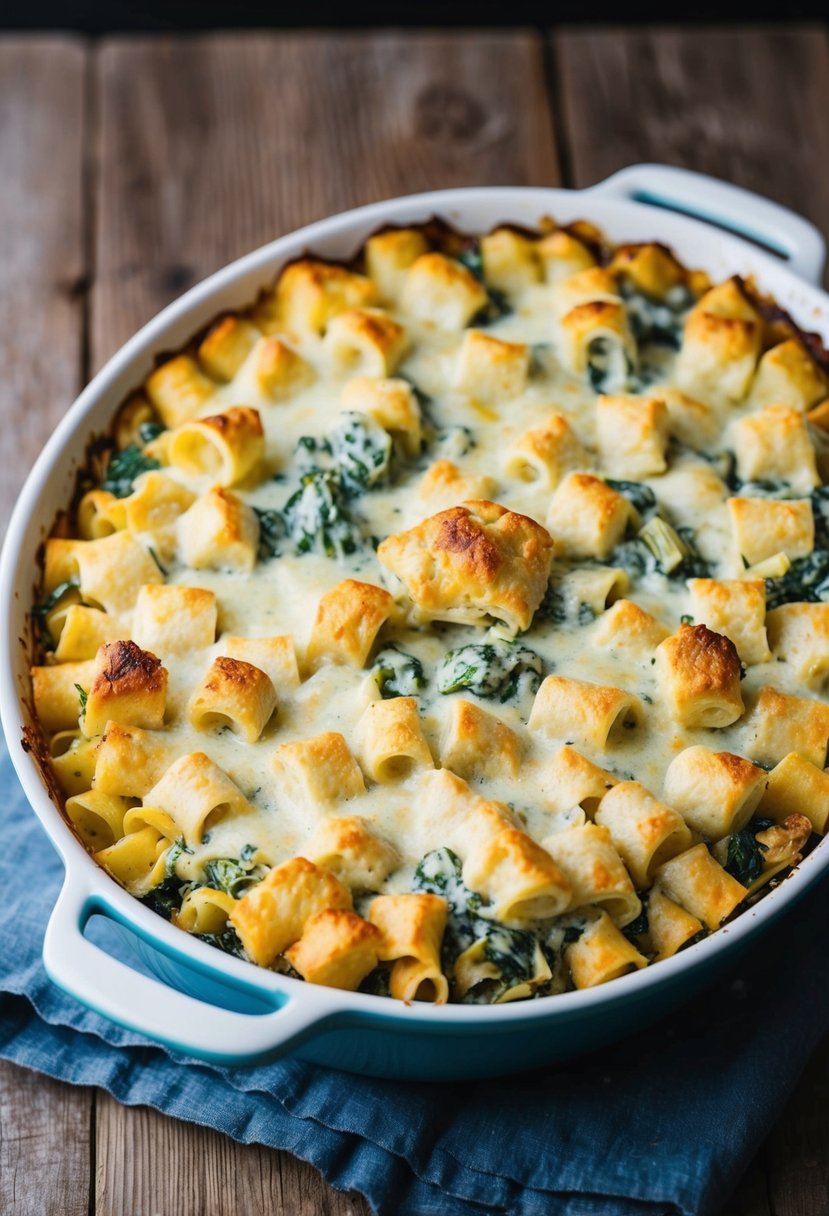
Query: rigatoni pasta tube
225,446
204,910
797,787
348,620
319,772
274,913
696,881
592,714
97,818
644,830
55,691
72,758
348,847
715,792
780,723
476,743
570,780
129,760
337,948
699,677
601,953
591,864
412,928
196,792
390,740
518,876
670,927
129,685
234,694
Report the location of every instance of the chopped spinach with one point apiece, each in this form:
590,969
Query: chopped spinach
271,532
398,674
820,511
317,517
455,441
652,321
641,496
376,982
744,860
45,606
176,849
124,467
561,609
498,305
608,365
165,899
493,669
634,557
41,610
83,697
806,581
233,877
471,257
228,941
640,925
512,951
308,451
148,431
362,452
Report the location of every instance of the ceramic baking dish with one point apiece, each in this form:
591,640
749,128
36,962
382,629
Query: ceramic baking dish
215,1007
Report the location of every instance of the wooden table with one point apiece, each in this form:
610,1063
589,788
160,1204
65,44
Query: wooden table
134,167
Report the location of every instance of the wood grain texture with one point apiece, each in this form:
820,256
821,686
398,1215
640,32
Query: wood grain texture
211,146
147,1164
44,1126
744,104
41,242
798,1149
44,1145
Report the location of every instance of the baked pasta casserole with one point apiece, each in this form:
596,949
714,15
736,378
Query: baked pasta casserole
453,624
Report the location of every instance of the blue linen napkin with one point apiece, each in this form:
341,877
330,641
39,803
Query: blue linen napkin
664,1122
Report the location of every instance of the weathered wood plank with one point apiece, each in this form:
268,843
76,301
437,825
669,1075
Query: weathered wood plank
744,104
211,146
147,1163
207,147
798,1148
41,242
44,1145
44,1127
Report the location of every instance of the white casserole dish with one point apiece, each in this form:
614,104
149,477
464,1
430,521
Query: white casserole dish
215,1007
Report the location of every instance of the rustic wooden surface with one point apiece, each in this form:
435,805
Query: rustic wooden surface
132,168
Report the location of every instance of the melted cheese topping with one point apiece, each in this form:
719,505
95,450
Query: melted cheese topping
517,422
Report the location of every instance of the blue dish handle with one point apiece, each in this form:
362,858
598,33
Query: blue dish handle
151,1008
731,207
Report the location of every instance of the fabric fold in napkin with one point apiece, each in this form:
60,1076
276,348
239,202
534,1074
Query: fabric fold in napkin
664,1122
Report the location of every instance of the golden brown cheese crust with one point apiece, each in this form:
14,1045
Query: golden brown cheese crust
348,619
474,560
129,685
700,671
